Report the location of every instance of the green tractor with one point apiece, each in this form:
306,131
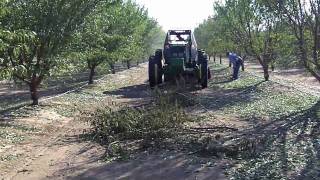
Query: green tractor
179,58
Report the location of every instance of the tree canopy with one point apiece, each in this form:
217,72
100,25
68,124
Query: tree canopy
273,32
36,35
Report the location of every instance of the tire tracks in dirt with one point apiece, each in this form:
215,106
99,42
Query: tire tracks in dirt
63,151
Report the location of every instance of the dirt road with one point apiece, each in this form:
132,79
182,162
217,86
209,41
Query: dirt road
50,142
296,77
56,150
16,95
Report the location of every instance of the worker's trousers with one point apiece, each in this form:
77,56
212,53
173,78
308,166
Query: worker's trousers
236,69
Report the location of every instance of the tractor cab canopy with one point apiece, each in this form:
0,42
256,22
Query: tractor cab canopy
184,37
179,37
180,44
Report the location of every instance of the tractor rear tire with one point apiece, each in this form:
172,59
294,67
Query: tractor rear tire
158,59
205,74
158,54
152,72
155,71
167,78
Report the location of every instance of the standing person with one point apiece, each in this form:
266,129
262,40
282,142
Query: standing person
236,62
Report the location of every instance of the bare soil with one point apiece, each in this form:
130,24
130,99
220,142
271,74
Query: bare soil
297,77
14,95
53,146
57,149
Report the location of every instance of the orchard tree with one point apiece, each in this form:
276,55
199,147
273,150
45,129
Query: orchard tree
118,31
303,16
40,30
96,56
153,37
4,34
204,32
96,42
244,26
210,37
267,30
136,24
101,41
253,27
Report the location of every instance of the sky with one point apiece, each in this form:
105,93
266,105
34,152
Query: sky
178,14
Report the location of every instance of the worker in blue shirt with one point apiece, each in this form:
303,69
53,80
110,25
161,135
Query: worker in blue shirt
236,62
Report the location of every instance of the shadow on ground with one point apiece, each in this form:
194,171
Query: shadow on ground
15,98
155,167
284,148
222,98
130,92
158,165
216,97
12,101
288,147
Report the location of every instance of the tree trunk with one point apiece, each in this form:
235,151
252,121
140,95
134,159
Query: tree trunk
137,62
304,57
91,75
214,57
244,57
316,48
113,70
242,65
265,67
272,67
266,72
34,91
128,64
220,59
307,65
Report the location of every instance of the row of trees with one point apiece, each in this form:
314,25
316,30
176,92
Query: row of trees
269,31
39,36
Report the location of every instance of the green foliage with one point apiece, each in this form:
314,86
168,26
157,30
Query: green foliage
282,139
39,37
150,123
303,19
17,44
282,33
37,31
250,97
284,153
4,72
52,21
149,126
117,31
